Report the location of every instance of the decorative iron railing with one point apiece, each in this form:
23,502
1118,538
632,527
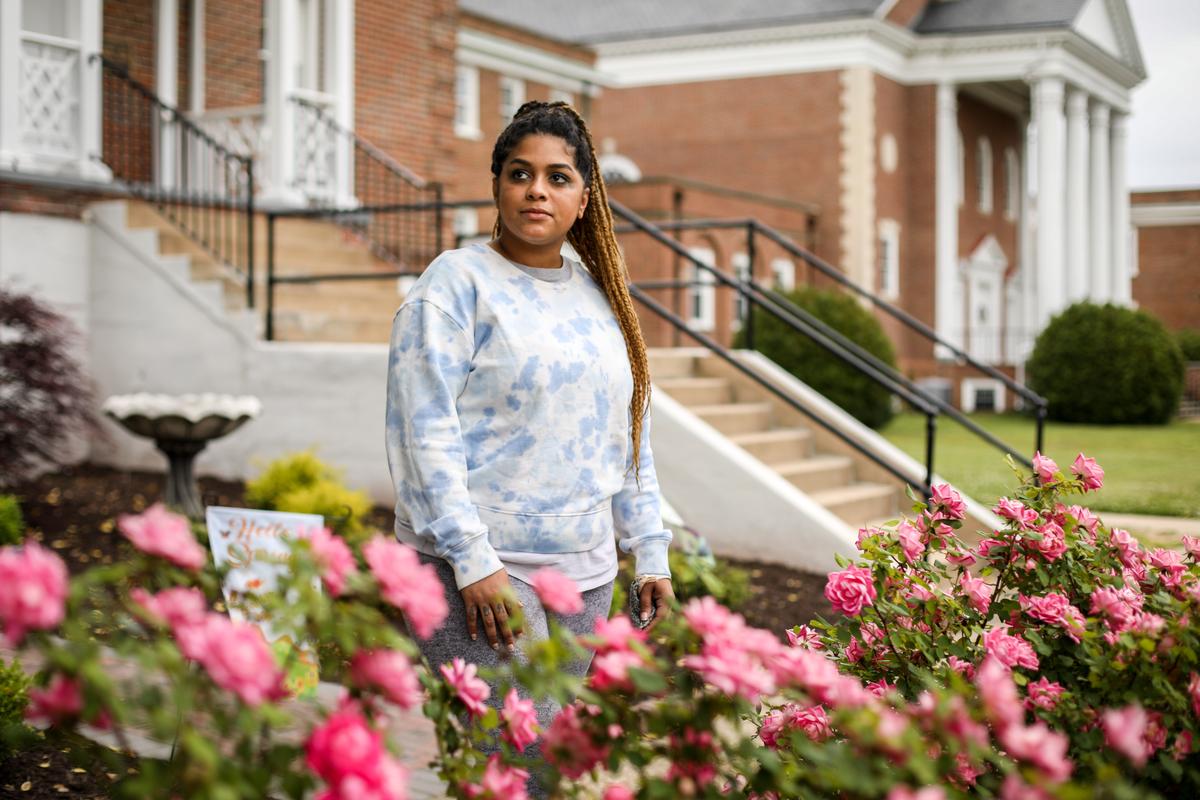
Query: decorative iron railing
160,156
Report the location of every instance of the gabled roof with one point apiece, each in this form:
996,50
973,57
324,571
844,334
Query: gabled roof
580,22
973,16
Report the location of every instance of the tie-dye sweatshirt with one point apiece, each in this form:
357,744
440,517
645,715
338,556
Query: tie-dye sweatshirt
508,422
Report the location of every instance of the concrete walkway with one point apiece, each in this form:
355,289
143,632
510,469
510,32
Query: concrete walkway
1153,531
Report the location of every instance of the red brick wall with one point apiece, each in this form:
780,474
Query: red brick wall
1168,280
976,119
22,198
234,74
776,136
404,82
906,11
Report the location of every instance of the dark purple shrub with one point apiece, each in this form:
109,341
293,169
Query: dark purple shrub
45,397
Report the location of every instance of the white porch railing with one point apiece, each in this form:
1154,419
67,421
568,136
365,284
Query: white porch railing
49,97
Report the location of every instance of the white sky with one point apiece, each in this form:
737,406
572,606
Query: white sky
1164,131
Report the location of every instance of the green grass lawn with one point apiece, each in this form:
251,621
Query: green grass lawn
1147,469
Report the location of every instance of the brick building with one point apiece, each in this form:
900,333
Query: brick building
964,159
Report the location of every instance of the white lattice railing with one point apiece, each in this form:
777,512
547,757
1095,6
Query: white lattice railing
48,95
242,130
316,164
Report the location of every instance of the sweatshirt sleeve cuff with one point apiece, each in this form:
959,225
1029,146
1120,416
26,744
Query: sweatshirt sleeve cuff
473,561
651,558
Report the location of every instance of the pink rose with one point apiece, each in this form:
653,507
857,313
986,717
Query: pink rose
999,694
172,607
1053,542
1125,732
617,633
804,636
408,584
617,793
520,721
732,671
334,557
1170,565
1040,746
33,590
60,702
964,668
924,793
238,659
1192,545
1044,467
1194,692
471,690
350,757
708,618
1009,650
557,592
948,501
1088,471
1120,606
1016,511
1085,519
499,782
568,745
1128,549
162,533
1051,607
910,541
391,673
963,558
1043,694
611,670
978,592
850,590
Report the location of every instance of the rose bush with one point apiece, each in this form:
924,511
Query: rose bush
1053,657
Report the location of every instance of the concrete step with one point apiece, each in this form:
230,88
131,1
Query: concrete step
818,473
669,363
736,418
698,391
294,327
776,446
859,502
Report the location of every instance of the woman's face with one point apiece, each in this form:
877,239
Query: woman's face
539,193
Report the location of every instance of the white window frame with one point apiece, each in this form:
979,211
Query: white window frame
740,263
1012,184
563,95
783,274
962,169
888,277
984,175
702,295
466,102
969,390
512,97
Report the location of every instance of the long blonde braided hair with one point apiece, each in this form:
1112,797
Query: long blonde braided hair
592,237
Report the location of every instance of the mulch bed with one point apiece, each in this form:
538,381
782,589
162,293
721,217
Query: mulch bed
54,770
74,512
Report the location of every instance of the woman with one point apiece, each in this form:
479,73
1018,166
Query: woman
518,397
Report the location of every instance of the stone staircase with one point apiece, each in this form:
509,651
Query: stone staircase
332,311
810,458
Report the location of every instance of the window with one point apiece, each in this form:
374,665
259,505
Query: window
466,103
981,394
783,273
983,177
1012,184
888,283
741,269
702,293
512,96
466,227
557,95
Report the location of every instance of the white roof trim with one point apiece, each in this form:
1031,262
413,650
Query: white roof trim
478,49
1152,215
887,49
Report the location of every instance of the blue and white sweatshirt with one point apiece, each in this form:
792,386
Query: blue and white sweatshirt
508,421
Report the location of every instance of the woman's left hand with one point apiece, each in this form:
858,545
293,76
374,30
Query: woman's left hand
657,595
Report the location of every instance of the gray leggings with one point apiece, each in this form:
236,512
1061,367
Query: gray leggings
452,641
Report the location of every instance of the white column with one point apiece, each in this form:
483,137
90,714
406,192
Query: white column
166,86
948,311
10,83
339,81
1077,198
197,79
283,55
1051,274
1122,278
1100,217
1023,336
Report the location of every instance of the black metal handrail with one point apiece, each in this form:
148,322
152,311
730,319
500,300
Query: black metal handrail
384,190
753,226
802,322
159,155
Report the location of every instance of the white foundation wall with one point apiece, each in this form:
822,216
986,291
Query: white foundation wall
153,330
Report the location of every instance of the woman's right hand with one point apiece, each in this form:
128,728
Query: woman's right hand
493,600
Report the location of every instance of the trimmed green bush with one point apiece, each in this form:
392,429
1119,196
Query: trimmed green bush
304,484
870,403
1107,365
1189,343
12,524
14,697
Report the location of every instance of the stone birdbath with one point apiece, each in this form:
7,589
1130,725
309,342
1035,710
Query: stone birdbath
181,426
